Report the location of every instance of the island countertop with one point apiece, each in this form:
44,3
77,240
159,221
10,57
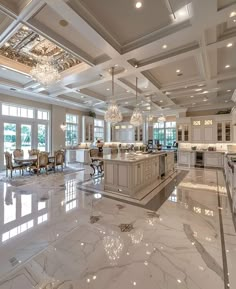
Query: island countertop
131,158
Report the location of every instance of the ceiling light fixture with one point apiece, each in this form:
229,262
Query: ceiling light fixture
113,113
232,14
161,118
150,116
45,72
229,90
161,101
164,46
229,44
191,96
198,89
138,4
178,71
227,66
137,116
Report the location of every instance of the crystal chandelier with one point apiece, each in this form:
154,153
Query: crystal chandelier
113,113
137,116
45,72
161,119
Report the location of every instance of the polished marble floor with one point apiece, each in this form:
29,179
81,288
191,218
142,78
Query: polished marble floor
56,234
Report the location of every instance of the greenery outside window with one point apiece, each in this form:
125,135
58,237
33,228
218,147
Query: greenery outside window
71,132
165,133
98,129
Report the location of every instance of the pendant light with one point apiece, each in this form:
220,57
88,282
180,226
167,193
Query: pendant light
137,116
161,118
113,114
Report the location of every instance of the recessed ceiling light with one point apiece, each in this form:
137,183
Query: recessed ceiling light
229,90
229,44
161,101
198,89
138,4
227,66
232,14
25,28
167,93
226,100
108,88
116,65
178,71
200,84
126,102
127,91
205,91
145,86
82,96
205,99
164,46
63,23
191,96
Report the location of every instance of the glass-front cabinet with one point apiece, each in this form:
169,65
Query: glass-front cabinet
224,131
183,132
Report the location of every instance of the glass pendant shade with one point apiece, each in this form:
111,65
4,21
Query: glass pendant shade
161,119
137,116
45,72
113,114
150,118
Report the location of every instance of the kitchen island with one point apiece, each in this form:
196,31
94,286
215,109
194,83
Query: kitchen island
132,174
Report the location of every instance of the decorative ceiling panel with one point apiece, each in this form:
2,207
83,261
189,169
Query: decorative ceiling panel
15,6
25,46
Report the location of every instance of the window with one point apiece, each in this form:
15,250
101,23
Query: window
165,133
196,122
18,111
98,129
44,115
208,122
71,130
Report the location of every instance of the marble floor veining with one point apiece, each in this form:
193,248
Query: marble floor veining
55,234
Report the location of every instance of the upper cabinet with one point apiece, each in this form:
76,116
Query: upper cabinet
224,131
208,129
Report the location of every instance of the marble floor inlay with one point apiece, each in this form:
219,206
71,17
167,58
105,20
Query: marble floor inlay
58,234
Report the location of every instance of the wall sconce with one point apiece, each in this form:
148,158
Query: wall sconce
63,126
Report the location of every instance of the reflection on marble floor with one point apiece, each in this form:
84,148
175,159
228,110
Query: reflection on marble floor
55,235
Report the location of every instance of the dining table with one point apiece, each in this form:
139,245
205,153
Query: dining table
28,159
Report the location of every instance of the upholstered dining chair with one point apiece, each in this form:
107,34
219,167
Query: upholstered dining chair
33,152
59,159
41,163
18,153
10,166
96,163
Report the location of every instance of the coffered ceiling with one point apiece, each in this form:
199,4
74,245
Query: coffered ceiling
183,52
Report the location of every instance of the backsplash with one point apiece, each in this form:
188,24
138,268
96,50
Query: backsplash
201,146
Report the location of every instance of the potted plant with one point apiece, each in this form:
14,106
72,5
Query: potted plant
92,114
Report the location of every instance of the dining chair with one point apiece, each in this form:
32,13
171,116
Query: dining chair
59,159
41,163
33,152
18,153
96,163
10,166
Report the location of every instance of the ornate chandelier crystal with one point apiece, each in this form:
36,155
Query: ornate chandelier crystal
137,116
45,72
161,119
113,113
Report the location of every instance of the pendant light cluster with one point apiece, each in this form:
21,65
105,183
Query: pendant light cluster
137,116
113,114
150,116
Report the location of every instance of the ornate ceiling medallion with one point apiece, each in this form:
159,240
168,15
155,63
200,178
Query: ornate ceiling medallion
25,46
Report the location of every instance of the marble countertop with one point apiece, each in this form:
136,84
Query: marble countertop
203,151
124,157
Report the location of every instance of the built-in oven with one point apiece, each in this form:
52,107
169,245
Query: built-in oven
199,159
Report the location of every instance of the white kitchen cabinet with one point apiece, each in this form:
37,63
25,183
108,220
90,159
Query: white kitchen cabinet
196,134
213,159
82,156
208,134
184,158
123,132
183,132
